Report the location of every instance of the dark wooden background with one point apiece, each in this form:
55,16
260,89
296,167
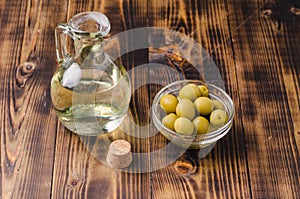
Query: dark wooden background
256,45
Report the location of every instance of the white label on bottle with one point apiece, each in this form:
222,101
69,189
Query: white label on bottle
72,76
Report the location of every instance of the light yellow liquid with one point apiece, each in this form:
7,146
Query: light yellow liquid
97,104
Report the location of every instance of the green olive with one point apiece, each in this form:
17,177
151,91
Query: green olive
203,105
218,105
168,121
201,124
218,118
185,108
203,90
169,102
189,91
184,126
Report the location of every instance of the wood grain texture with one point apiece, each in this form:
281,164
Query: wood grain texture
268,118
28,122
255,45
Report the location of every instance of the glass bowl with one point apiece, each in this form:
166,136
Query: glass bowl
204,142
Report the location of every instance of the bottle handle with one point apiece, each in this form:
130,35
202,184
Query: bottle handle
61,31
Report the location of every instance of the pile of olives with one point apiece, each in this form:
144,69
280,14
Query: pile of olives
192,111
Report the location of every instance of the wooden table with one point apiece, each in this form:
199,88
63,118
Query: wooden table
256,46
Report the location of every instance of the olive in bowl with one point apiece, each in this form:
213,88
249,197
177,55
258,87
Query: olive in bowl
199,126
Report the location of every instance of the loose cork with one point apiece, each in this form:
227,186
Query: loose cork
119,154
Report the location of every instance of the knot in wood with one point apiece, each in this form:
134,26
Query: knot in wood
267,12
24,72
74,182
295,11
26,69
185,167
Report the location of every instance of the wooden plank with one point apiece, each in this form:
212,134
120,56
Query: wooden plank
223,173
76,172
28,122
266,72
133,14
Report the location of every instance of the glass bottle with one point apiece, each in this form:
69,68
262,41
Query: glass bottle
89,92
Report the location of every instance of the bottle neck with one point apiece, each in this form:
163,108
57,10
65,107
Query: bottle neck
87,30
89,52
